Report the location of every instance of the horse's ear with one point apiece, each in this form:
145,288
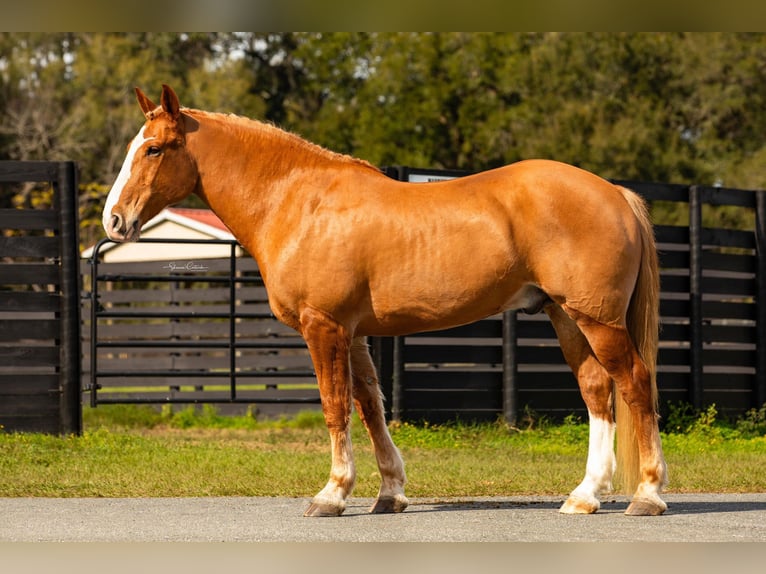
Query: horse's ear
144,102
169,101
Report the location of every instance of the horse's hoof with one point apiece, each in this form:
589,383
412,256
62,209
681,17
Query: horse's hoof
390,504
576,505
644,507
317,510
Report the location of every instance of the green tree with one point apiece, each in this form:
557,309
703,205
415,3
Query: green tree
686,108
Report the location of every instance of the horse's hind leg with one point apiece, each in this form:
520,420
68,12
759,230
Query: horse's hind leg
369,404
616,352
596,389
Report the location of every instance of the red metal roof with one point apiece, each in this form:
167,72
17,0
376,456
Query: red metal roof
200,215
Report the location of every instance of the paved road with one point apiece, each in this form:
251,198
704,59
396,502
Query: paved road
690,518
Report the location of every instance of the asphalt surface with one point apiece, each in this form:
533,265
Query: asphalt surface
690,518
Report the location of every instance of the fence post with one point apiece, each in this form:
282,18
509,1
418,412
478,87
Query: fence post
232,321
94,307
397,390
695,297
759,392
510,369
70,405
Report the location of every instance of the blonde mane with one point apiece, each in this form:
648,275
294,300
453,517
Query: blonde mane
274,132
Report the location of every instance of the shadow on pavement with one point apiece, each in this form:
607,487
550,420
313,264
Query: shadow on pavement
607,506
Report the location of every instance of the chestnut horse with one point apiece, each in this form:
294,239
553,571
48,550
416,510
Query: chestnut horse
347,252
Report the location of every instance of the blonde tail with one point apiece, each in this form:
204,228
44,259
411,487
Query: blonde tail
643,322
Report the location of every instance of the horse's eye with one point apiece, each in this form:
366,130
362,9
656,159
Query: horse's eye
153,151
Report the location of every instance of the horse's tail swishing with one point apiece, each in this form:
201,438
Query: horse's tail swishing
643,327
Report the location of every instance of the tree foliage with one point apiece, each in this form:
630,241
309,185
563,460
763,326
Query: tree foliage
673,107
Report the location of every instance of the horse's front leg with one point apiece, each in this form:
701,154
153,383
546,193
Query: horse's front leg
329,345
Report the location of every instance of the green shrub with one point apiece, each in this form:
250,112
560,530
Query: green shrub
753,423
680,419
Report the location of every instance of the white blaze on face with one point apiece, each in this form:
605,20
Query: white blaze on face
123,177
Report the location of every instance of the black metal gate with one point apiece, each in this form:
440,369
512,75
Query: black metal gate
190,331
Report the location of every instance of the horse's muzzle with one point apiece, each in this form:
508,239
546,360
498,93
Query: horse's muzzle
119,229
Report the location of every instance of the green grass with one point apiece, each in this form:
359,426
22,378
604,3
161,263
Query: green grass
138,451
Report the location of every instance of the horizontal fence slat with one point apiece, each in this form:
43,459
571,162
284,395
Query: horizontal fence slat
673,259
256,295
32,405
672,234
729,334
29,274
467,399
12,171
733,310
40,421
267,330
652,191
734,357
29,219
675,332
729,262
20,384
452,354
717,196
728,402
151,382
181,374
729,286
206,362
33,247
448,415
28,356
728,238
732,382
452,380
35,329
25,301
668,382
527,329
674,283
546,381
531,355
673,356
674,308
558,399
487,328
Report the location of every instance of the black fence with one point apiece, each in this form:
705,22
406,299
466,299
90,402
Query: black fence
184,334
39,304
192,336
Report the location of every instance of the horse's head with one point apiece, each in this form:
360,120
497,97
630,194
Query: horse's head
158,170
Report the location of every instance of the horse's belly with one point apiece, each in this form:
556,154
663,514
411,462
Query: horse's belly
426,309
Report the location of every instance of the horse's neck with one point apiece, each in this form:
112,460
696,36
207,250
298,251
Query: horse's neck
251,176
